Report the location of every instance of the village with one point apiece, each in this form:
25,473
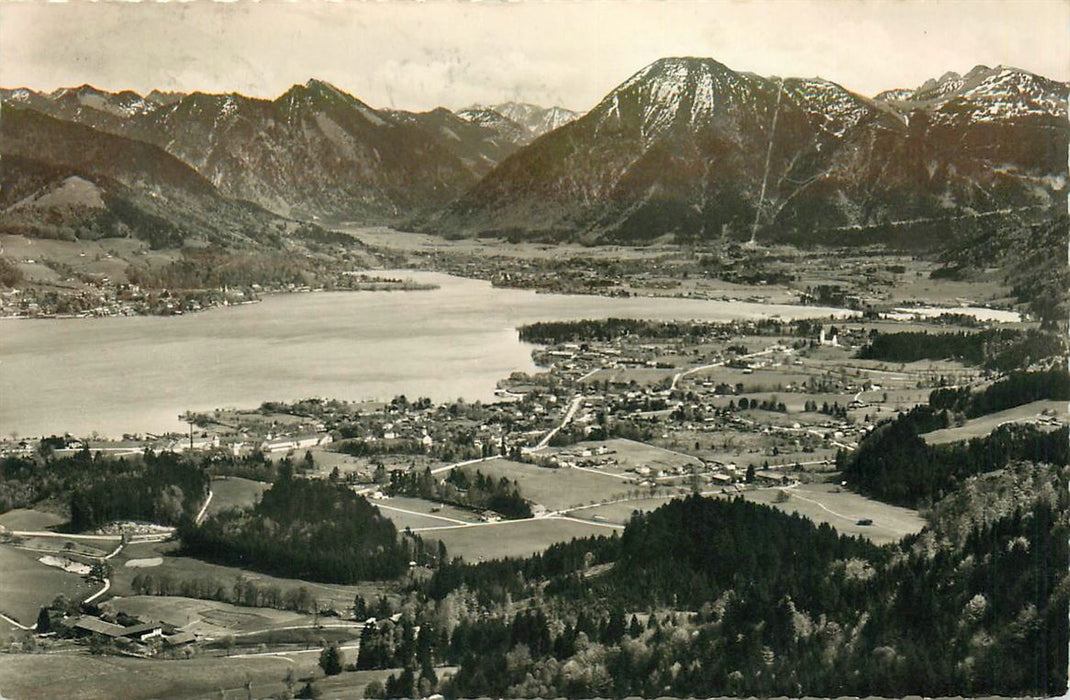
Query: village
748,403
622,416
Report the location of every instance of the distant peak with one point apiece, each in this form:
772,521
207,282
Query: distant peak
680,71
688,62
83,89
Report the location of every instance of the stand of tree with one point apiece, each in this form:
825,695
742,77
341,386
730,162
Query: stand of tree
555,332
894,464
165,488
1000,349
1014,390
705,597
461,488
309,529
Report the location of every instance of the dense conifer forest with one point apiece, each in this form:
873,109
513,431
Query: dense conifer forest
895,464
305,528
165,488
708,597
1000,349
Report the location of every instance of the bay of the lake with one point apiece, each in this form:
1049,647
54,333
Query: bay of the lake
137,374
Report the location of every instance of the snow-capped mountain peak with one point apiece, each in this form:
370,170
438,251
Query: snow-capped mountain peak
688,92
983,94
533,118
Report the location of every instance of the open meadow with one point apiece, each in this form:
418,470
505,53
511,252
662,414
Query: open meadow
30,519
26,584
212,618
557,489
511,538
234,492
843,510
620,513
84,677
159,561
979,427
419,513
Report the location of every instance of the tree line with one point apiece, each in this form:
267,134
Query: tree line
1001,349
714,597
165,488
602,330
1013,390
312,529
477,491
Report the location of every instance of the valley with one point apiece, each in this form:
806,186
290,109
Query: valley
609,419
730,385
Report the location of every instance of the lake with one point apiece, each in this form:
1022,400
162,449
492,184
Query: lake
981,313
116,375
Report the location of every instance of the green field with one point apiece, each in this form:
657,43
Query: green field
640,375
979,427
180,568
556,488
510,538
842,509
234,492
84,677
417,513
207,617
64,545
26,584
29,519
620,513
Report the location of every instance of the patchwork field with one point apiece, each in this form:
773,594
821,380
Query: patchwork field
26,584
979,427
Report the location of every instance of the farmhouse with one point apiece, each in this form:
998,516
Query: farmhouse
179,639
144,631
88,626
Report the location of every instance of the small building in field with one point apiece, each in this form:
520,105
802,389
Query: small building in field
144,631
89,626
179,639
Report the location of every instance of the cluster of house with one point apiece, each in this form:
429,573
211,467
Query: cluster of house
574,360
143,638
100,297
198,443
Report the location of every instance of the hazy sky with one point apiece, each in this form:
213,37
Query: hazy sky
421,55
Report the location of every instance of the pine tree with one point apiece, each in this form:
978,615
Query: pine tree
615,627
331,660
44,621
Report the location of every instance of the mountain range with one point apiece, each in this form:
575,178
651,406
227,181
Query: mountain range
692,149
65,180
686,148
